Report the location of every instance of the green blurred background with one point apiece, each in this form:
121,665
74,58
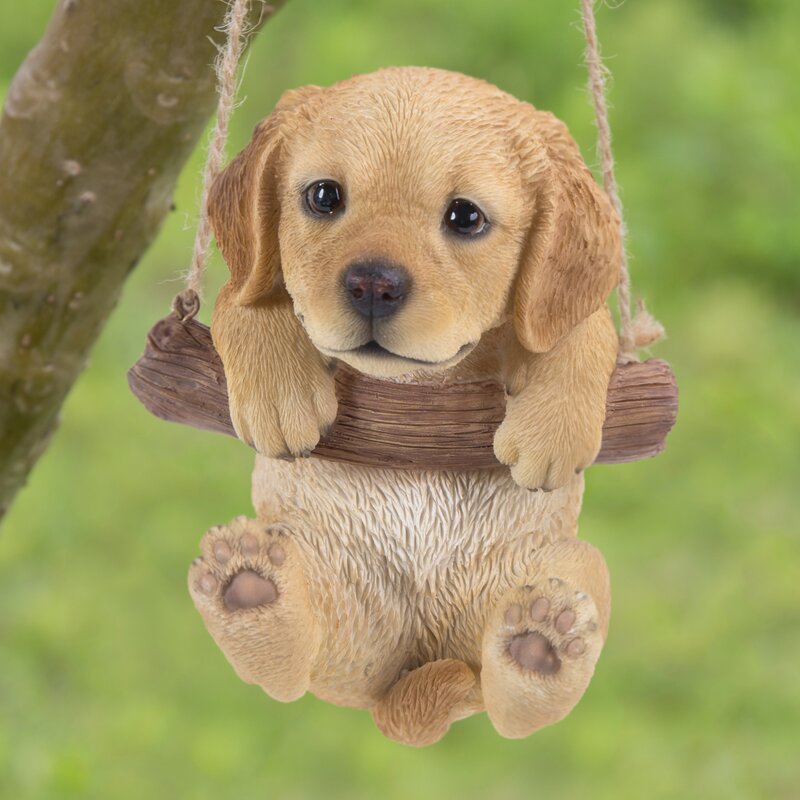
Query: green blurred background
110,686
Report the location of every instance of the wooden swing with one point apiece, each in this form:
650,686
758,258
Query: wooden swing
180,377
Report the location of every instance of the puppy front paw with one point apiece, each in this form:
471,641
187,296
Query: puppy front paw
546,453
285,415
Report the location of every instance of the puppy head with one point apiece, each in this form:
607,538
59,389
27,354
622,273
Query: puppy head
409,211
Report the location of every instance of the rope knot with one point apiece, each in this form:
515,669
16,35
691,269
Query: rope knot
643,332
186,305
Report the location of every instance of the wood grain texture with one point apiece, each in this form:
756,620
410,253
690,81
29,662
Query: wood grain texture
180,378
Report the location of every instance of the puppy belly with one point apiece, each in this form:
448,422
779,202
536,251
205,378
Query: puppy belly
405,566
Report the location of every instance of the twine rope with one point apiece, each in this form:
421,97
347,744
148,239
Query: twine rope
642,329
187,303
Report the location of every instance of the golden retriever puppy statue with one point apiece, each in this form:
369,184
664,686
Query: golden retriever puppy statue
415,224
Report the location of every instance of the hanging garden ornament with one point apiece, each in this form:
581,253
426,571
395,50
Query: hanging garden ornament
415,340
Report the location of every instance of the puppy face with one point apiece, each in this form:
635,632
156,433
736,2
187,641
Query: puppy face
411,210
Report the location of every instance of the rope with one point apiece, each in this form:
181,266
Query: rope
187,303
643,329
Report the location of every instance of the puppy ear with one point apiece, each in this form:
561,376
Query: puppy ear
244,209
571,256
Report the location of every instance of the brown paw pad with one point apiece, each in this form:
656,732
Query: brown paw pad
548,628
565,620
248,589
535,652
577,647
222,551
540,609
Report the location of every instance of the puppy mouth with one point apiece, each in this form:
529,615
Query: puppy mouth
374,350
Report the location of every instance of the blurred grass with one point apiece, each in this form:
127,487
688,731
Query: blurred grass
109,685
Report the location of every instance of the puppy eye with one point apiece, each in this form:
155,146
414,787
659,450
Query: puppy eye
324,198
465,218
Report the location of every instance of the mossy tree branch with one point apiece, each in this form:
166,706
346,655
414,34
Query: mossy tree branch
97,125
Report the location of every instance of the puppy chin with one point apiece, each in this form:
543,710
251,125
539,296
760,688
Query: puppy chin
389,365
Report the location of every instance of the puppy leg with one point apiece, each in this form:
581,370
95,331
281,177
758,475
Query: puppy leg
250,588
543,639
280,389
419,708
557,404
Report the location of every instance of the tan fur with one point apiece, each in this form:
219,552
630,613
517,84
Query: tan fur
424,596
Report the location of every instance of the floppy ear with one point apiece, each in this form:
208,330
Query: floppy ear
244,209
570,259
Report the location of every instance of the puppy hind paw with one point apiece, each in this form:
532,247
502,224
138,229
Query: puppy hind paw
548,629
539,655
249,587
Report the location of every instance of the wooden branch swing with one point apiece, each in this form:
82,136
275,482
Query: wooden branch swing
402,425
180,377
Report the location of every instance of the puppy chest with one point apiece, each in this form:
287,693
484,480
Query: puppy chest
414,523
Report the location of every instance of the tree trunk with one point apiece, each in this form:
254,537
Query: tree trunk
96,127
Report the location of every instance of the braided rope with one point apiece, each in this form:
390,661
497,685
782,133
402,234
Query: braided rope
640,330
187,303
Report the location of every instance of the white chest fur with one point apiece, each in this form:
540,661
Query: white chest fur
417,520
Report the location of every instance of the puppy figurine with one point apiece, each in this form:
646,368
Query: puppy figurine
414,224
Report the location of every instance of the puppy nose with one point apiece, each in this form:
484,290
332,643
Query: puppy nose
375,288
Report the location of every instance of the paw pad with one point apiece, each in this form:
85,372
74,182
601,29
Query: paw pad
222,552
549,622
565,620
248,589
534,651
248,544
276,554
241,565
540,609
